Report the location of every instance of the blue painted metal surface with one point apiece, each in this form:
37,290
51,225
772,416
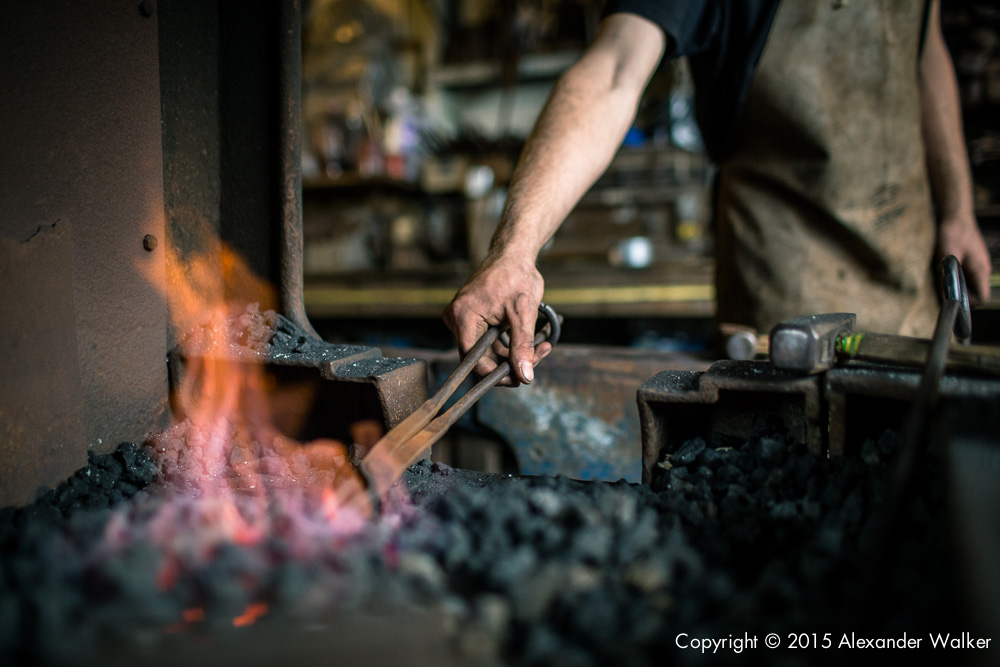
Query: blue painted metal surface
579,418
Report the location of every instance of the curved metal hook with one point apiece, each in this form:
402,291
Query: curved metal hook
953,284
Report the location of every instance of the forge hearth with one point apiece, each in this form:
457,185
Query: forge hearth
756,536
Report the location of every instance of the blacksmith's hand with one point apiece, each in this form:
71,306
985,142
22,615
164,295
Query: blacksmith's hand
504,289
961,237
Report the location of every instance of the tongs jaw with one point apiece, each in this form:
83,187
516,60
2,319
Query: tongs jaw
403,445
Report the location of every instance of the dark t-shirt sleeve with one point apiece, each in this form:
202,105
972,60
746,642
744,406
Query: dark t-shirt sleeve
723,40
689,25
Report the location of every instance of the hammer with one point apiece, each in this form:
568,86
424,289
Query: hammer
814,343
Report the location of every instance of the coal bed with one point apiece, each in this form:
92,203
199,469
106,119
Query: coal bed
731,540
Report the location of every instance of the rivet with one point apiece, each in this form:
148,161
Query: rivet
147,7
149,242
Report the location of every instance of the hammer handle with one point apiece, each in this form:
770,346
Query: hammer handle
887,348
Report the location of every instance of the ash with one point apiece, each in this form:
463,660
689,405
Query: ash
731,538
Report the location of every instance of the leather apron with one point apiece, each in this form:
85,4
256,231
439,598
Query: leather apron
825,204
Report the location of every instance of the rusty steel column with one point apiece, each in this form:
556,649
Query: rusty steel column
290,164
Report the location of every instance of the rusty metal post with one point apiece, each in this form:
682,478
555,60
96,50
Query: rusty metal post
290,164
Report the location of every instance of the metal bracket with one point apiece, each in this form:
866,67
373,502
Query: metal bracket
864,401
728,399
827,413
397,386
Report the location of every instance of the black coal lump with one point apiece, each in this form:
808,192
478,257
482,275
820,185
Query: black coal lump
105,470
770,450
516,566
593,545
677,473
639,538
728,474
688,452
713,458
139,468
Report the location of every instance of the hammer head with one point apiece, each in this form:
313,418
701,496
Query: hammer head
807,344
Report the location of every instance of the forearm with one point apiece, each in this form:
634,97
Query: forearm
577,134
948,163
946,156
575,137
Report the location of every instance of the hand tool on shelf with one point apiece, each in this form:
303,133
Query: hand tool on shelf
403,445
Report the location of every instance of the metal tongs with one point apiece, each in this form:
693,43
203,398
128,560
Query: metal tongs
403,445
955,317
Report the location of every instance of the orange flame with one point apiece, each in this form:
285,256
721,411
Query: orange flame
247,479
222,403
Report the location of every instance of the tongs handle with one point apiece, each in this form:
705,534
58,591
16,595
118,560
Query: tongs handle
953,286
502,370
401,446
462,371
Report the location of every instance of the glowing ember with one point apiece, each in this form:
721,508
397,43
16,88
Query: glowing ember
193,615
168,573
250,615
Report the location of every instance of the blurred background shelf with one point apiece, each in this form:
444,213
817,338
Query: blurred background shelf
415,115
530,68
680,292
